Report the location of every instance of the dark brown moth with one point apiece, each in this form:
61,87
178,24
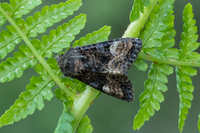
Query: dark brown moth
103,65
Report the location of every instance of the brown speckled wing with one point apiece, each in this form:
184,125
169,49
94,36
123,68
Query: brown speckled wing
103,65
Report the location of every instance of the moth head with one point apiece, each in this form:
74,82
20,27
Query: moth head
70,62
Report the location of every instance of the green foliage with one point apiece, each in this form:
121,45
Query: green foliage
157,38
38,89
187,45
33,24
84,126
151,98
95,37
140,64
157,35
64,122
57,40
18,8
28,56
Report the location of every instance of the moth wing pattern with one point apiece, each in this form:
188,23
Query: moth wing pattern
103,65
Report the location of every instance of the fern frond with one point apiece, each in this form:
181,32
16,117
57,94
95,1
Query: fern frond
57,40
152,96
61,37
155,30
49,16
183,73
95,37
156,27
138,7
140,64
64,122
17,8
22,7
14,66
38,89
37,24
84,126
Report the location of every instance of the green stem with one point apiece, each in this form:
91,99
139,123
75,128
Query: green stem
134,28
169,61
82,103
38,56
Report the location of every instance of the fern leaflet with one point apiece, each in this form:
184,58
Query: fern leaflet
151,98
38,89
36,24
57,40
64,122
183,73
84,126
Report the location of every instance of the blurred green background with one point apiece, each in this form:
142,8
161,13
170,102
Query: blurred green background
107,114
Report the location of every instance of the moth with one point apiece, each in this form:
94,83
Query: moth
103,65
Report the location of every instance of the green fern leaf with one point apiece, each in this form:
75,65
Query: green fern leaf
8,40
13,67
95,37
84,126
63,36
57,40
49,16
152,96
183,73
38,89
22,7
64,122
36,24
140,64
61,95
138,7
158,24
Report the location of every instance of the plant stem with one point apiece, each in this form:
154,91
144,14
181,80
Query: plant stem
81,105
169,61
